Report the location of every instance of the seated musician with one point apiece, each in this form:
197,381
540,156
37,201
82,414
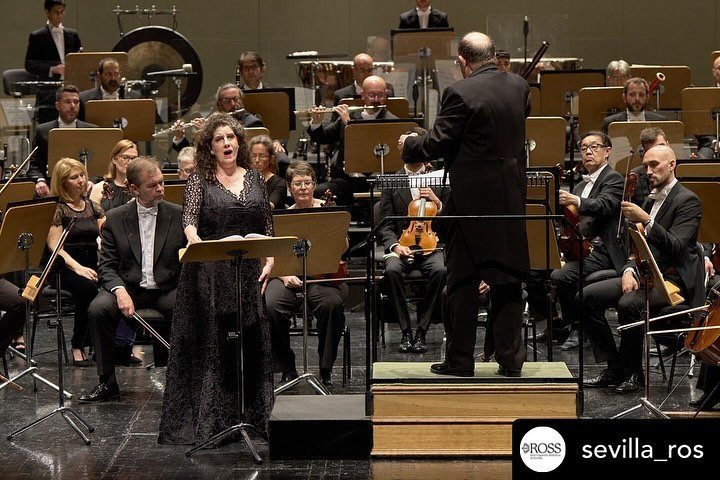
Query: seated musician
264,160
252,70
374,95
707,144
108,88
361,69
649,137
636,93
671,217
503,61
423,16
325,300
400,260
67,102
186,163
617,73
12,321
139,268
597,199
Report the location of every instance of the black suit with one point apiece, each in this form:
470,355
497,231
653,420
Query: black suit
437,19
672,240
96,94
396,202
598,218
39,162
120,266
42,53
13,319
480,131
623,117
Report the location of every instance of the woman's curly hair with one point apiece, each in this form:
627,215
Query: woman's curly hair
204,156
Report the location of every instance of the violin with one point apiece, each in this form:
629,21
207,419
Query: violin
419,235
330,199
567,240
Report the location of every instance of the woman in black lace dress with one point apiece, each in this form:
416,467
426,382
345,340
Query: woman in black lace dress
224,197
113,191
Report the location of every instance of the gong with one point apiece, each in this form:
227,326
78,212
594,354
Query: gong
155,48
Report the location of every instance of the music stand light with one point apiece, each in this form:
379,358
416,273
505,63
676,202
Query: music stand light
136,118
92,146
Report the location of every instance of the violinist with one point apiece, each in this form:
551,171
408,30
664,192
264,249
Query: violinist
325,300
400,260
597,200
670,218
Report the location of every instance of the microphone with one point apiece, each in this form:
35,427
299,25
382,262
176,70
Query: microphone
121,88
526,26
186,68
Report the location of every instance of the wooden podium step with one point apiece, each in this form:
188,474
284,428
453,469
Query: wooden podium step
417,413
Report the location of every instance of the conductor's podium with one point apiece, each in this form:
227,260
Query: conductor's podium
416,413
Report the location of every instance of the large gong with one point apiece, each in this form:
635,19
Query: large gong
151,49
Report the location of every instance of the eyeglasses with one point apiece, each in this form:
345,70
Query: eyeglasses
594,147
457,62
253,66
127,158
376,96
260,155
302,183
227,100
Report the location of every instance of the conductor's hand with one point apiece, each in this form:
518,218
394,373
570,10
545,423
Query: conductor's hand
58,69
634,213
41,189
401,140
86,272
484,288
567,198
178,129
125,303
264,277
291,282
402,251
629,283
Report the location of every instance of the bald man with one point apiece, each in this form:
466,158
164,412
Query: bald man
671,217
362,68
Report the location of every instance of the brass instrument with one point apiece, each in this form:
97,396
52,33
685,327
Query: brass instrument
309,111
17,170
659,78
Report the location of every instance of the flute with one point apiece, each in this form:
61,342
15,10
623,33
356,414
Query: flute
309,111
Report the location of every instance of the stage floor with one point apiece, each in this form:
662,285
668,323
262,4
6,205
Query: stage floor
124,444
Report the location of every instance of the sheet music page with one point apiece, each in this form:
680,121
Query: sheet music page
433,178
16,112
447,73
398,78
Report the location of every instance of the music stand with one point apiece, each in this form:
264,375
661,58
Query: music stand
81,68
535,103
136,118
92,146
236,250
695,170
17,192
323,239
275,107
596,103
676,79
361,139
255,131
708,192
701,111
650,273
175,191
674,134
559,89
398,106
545,141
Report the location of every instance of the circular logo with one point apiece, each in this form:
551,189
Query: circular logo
542,449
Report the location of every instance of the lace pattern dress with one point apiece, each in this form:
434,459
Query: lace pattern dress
200,393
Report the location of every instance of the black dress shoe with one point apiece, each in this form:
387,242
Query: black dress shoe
101,393
135,360
572,342
445,369
326,377
509,372
703,403
607,378
405,342
289,375
418,345
632,384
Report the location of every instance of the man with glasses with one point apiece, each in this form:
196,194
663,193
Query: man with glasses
636,94
252,70
362,68
597,200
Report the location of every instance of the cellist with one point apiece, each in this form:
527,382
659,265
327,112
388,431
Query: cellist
597,199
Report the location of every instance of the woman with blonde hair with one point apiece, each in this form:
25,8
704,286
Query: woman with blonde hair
113,191
80,251
264,159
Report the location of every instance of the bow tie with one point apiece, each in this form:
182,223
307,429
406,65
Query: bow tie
152,211
60,29
657,196
587,178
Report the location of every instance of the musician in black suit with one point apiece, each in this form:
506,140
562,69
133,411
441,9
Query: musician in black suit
12,321
252,71
671,217
597,199
362,68
138,268
68,105
480,131
423,16
109,85
47,47
636,94
374,94
649,137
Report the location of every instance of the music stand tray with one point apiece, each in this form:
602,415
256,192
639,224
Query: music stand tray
594,105
362,136
17,192
698,107
559,89
93,146
135,117
236,250
275,107
80,68
546,141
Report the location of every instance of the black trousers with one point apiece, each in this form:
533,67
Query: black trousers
433,269
104,316
325,301
460,308
14,306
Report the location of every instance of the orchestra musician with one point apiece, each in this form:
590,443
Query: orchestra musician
68,106
423,16
636,92
186,163
671,217
113,191
400,260
617,73
47,47
264,160
108,85
362,68
325,299
503,58
138,268
597,199
480,132
12,321
252,70
649,137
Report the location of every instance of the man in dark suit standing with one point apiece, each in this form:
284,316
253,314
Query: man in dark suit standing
138,268
635,95
423,16
671,217
47,47
68,105
480,131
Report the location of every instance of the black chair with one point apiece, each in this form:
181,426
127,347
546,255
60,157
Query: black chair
51,293
14,75
675,341
152,317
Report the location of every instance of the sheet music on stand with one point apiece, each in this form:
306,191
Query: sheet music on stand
393,181
18,112
447,74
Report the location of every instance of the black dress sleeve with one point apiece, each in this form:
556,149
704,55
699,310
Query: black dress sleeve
192,201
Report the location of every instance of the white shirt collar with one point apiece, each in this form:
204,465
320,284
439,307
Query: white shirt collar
62,124
661,195
636,117
410,172
110,96
592,178
52,27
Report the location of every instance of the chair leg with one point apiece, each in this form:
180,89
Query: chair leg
5,366
661,362
349,352
534,341
678,346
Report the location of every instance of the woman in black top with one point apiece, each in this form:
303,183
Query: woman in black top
113,191
262,156
80,252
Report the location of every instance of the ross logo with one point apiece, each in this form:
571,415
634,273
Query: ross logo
542,449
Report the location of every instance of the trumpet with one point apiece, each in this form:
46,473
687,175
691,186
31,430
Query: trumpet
309,111
659,78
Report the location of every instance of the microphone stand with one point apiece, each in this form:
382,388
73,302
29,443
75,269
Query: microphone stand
526,32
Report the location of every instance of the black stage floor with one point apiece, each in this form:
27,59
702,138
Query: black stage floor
124,444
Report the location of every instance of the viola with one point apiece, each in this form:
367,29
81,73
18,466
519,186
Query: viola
35,283
568,238
419,236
